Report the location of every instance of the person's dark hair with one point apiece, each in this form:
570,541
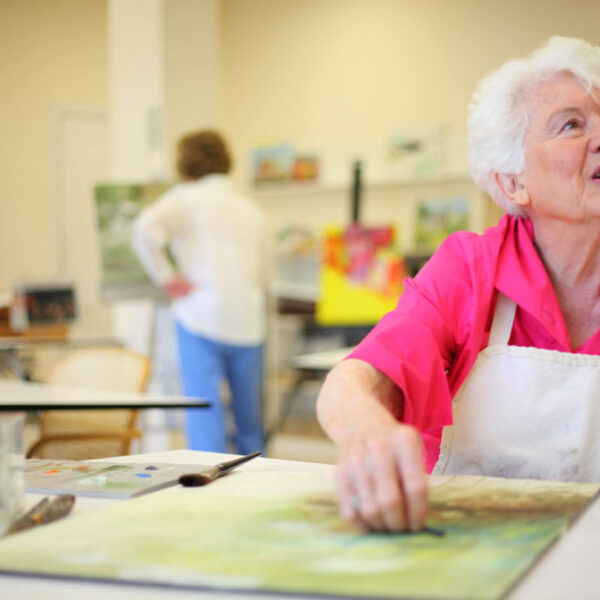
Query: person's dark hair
202,153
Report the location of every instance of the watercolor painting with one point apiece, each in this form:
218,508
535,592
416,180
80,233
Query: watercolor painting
105,479
280,532
272,163
117,206
417,151
437,218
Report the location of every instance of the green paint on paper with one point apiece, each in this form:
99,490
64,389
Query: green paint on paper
281,532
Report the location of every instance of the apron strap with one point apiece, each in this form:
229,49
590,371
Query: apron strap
504,315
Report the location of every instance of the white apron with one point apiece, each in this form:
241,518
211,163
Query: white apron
525,412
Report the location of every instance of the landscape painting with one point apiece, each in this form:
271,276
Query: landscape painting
437,218
280,532
117,207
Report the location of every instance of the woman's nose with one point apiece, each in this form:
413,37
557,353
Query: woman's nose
595,135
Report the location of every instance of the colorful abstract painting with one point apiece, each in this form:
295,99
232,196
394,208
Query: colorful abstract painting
280,532
361,275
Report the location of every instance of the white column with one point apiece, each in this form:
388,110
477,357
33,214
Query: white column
192,68
136,140
164,59
136,154
136,90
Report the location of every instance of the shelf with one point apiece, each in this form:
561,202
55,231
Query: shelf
306,188
295,291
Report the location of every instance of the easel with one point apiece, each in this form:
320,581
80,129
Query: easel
349,335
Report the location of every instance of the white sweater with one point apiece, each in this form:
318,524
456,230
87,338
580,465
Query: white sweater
217,239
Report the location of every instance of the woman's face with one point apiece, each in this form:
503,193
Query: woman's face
562,151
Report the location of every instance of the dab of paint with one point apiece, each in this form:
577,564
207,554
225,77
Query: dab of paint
96,480
52,471
143,475
151,468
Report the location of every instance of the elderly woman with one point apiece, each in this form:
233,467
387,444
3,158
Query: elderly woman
488,365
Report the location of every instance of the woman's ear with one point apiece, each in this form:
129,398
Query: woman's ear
512,189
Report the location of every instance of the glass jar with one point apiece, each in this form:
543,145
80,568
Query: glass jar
12,467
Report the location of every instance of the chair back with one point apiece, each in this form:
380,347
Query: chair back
87,434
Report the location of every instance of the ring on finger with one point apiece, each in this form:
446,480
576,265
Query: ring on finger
358,500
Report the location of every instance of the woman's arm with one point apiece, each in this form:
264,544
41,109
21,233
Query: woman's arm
149,240
380,477
152,231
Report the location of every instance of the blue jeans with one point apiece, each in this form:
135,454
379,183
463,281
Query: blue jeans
204,364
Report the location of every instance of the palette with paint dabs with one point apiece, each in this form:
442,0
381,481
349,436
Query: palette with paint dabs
105,479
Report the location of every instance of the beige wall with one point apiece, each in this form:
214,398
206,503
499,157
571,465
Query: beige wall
52,52
192,61
319,73
343,73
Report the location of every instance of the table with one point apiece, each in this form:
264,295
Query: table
307,367
10,345
320,361
568,570
21,396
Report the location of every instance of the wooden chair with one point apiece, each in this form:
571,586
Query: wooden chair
87,434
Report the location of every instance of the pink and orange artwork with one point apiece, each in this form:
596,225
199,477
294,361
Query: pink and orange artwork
361,275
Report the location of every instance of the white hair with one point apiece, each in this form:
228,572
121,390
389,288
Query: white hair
498,116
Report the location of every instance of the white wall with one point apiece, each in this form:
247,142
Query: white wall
51,54
345,73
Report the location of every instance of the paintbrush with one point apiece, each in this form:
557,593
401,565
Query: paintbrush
433,531
211,473
43,512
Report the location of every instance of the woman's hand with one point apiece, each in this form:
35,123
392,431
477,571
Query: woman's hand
381,479
178,287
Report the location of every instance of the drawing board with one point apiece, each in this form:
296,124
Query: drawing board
280,532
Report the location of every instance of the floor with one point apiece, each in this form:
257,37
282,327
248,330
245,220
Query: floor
303,448
292,443
289,444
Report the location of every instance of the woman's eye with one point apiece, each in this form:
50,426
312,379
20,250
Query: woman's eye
571,124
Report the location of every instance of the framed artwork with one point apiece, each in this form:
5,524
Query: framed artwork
437,218
43,304
117,206
272,163
281,163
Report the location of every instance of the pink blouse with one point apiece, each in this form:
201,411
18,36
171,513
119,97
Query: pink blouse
429,342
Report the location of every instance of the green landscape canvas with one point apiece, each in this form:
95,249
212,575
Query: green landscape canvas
280,532
117,207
